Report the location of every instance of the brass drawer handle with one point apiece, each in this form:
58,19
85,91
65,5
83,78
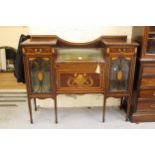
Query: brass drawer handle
122,50
38,50
153,93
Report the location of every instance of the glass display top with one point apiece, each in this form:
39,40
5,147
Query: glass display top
71,54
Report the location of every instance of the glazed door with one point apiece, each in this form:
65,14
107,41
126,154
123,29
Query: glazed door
119,78
149,42
39,74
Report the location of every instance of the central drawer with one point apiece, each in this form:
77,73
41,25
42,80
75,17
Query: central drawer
80,78
148,70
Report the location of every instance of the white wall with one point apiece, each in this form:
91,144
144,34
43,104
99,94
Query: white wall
9,35
82,34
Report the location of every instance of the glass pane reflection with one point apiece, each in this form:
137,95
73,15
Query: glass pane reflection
79,54
119,74
40,75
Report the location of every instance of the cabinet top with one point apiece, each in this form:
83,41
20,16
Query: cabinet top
120,40
102,41
41,40
119,43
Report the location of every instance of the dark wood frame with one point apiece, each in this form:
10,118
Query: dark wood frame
30,95
144,53
132,49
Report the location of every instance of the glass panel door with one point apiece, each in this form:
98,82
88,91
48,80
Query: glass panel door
119,74
69,54
151,40
40,75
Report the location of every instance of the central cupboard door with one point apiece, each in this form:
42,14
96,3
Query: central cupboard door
80,77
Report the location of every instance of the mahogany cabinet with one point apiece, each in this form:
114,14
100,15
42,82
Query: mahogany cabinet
120,67
55,66
144,84
80,70
38,57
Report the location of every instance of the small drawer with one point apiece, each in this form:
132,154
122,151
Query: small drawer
148,83
147,94
37,50
146,105
121,50
149,70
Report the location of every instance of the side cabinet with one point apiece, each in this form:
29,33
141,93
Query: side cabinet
120,69
39,74
119,75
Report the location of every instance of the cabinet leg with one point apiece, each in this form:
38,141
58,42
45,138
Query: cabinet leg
30,110
104,108
128,108
121,103
35,104
55,110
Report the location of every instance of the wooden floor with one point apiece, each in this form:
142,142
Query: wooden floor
8,81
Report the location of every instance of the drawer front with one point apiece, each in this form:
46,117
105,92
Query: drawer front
147,94
37,50
79,82
146,106
122,50
148,70
148,82
76,67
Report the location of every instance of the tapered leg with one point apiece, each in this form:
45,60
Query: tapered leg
104,108
35,104
128,108
55,109
30,110
121,103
